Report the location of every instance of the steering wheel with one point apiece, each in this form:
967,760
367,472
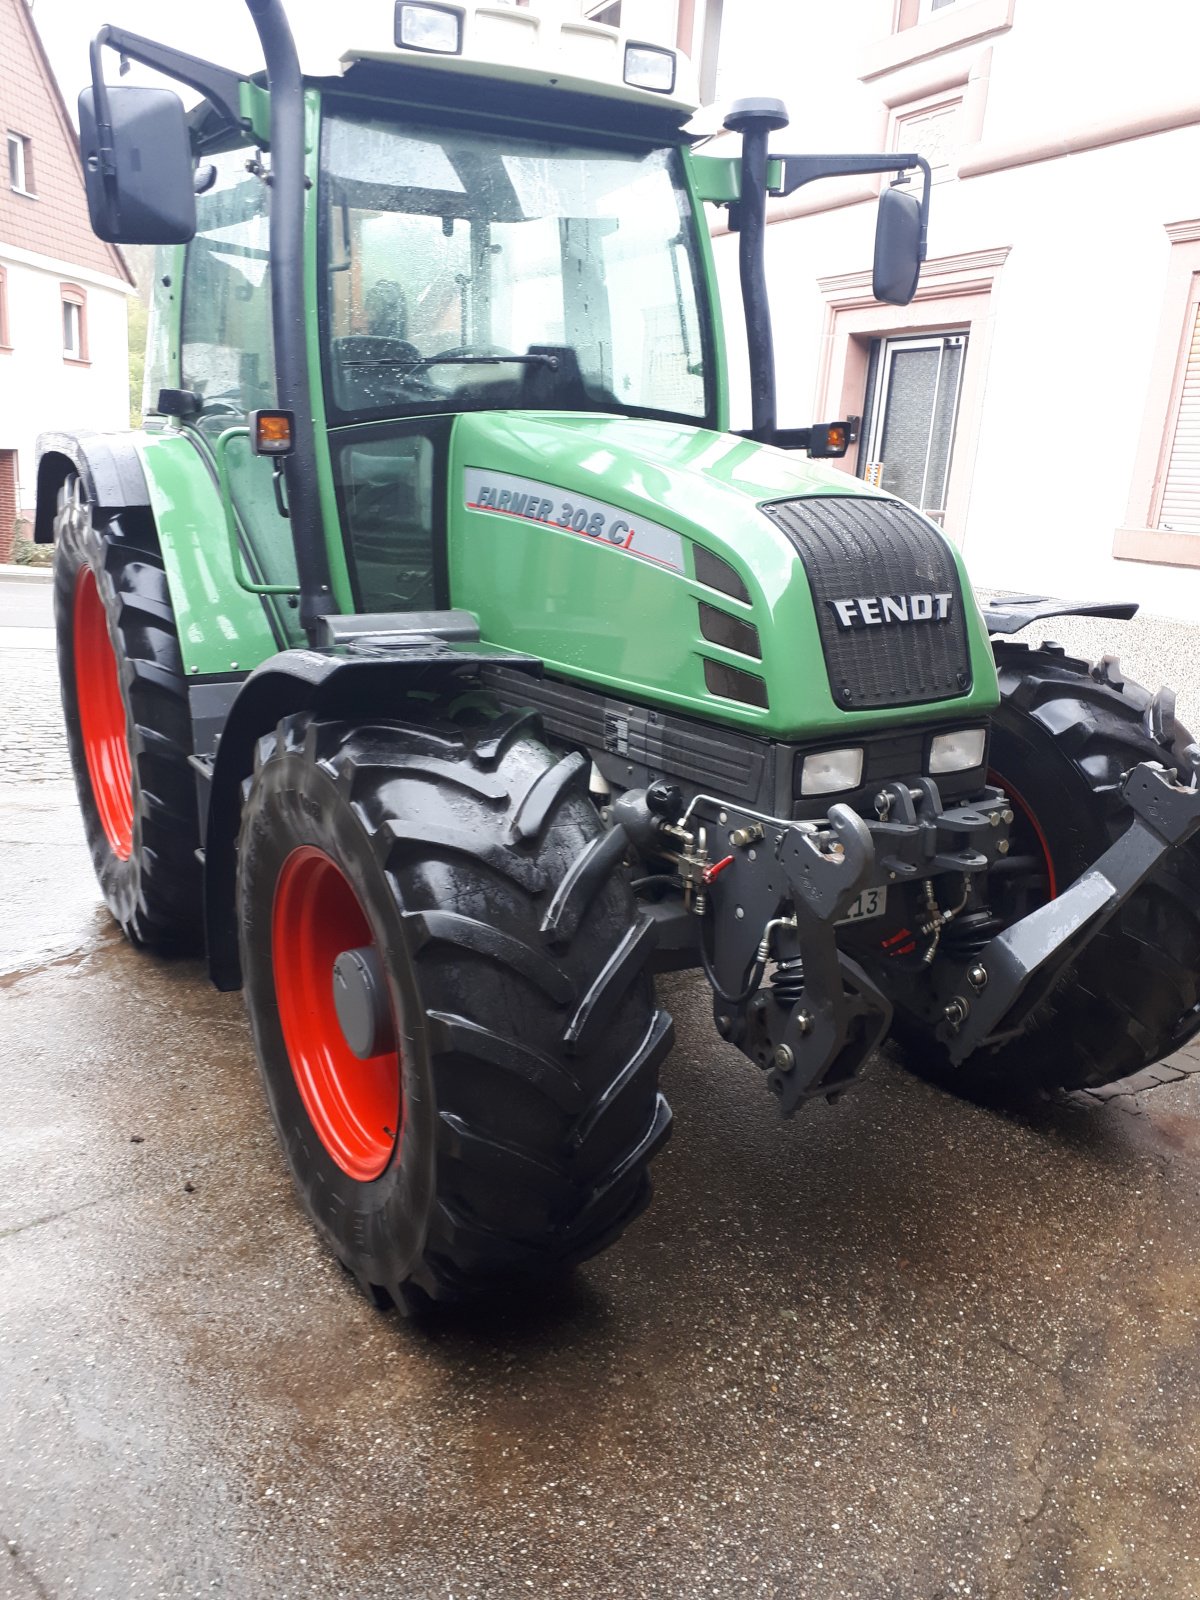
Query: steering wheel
222,405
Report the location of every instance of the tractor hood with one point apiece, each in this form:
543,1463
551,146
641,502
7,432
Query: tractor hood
699,570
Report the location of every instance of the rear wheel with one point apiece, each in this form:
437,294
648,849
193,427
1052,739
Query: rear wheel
127,720
1062,741
446,979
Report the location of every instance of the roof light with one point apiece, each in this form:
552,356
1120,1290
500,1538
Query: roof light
436,29
648,67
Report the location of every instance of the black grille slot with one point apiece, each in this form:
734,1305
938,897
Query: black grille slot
854,549
718,574
720,627
731,683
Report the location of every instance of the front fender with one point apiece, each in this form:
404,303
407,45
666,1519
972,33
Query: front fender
108,465
326,683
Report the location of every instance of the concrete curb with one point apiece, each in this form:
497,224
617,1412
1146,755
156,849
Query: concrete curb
27,574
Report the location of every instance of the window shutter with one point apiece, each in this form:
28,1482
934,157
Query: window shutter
1180,508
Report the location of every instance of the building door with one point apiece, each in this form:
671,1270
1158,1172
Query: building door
8,503
911,409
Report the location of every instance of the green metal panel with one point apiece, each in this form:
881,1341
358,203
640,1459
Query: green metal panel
719,178
600,615
708,268
222,628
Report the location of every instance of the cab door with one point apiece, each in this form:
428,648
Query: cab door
226,357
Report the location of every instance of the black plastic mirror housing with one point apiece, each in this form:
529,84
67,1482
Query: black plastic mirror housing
138,172
898,247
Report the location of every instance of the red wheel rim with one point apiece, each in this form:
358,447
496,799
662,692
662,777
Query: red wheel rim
354,1106
102,717
1030,816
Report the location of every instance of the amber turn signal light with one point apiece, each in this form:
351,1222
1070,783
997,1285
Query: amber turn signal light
271,432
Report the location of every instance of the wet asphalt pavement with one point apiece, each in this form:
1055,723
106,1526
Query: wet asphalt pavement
901,1347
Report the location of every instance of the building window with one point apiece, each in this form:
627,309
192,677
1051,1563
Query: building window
1178,508
909,418
923,30
20,164
74,323
608,11
933,131
1162,519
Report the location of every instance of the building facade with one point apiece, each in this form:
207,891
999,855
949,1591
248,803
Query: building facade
1041,396
63,294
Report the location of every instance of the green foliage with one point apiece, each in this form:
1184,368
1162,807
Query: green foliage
138,318
27,554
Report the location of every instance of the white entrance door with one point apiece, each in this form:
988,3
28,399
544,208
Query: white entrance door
911,411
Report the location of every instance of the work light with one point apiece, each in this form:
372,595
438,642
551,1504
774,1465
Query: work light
832,771
958,751
434,28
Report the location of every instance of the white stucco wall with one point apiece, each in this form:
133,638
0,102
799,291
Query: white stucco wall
1076,307
38,389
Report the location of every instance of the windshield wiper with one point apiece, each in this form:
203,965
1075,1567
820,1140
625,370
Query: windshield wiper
490,361
454,361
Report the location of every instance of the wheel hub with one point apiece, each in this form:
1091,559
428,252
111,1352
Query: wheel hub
361,1002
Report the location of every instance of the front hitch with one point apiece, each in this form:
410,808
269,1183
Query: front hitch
769,895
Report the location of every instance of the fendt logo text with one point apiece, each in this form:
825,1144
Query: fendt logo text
870,611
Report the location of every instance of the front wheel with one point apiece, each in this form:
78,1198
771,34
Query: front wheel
454,1023
1062,741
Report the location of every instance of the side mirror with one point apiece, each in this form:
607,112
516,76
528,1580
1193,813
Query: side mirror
899,246
137,165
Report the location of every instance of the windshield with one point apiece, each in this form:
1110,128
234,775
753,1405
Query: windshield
466,273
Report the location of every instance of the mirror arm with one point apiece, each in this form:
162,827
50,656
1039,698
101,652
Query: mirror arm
928,176
799,170
218,85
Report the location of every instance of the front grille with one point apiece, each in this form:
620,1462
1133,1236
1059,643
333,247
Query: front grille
856,549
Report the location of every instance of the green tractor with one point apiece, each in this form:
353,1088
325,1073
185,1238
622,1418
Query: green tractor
438,659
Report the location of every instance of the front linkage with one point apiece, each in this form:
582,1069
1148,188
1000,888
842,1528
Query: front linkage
771,894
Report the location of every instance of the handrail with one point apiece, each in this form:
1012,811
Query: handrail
232,528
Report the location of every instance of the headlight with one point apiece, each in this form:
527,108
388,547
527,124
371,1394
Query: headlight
429,27
959,751
831,771
648,68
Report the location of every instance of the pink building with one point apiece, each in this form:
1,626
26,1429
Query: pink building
63,294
